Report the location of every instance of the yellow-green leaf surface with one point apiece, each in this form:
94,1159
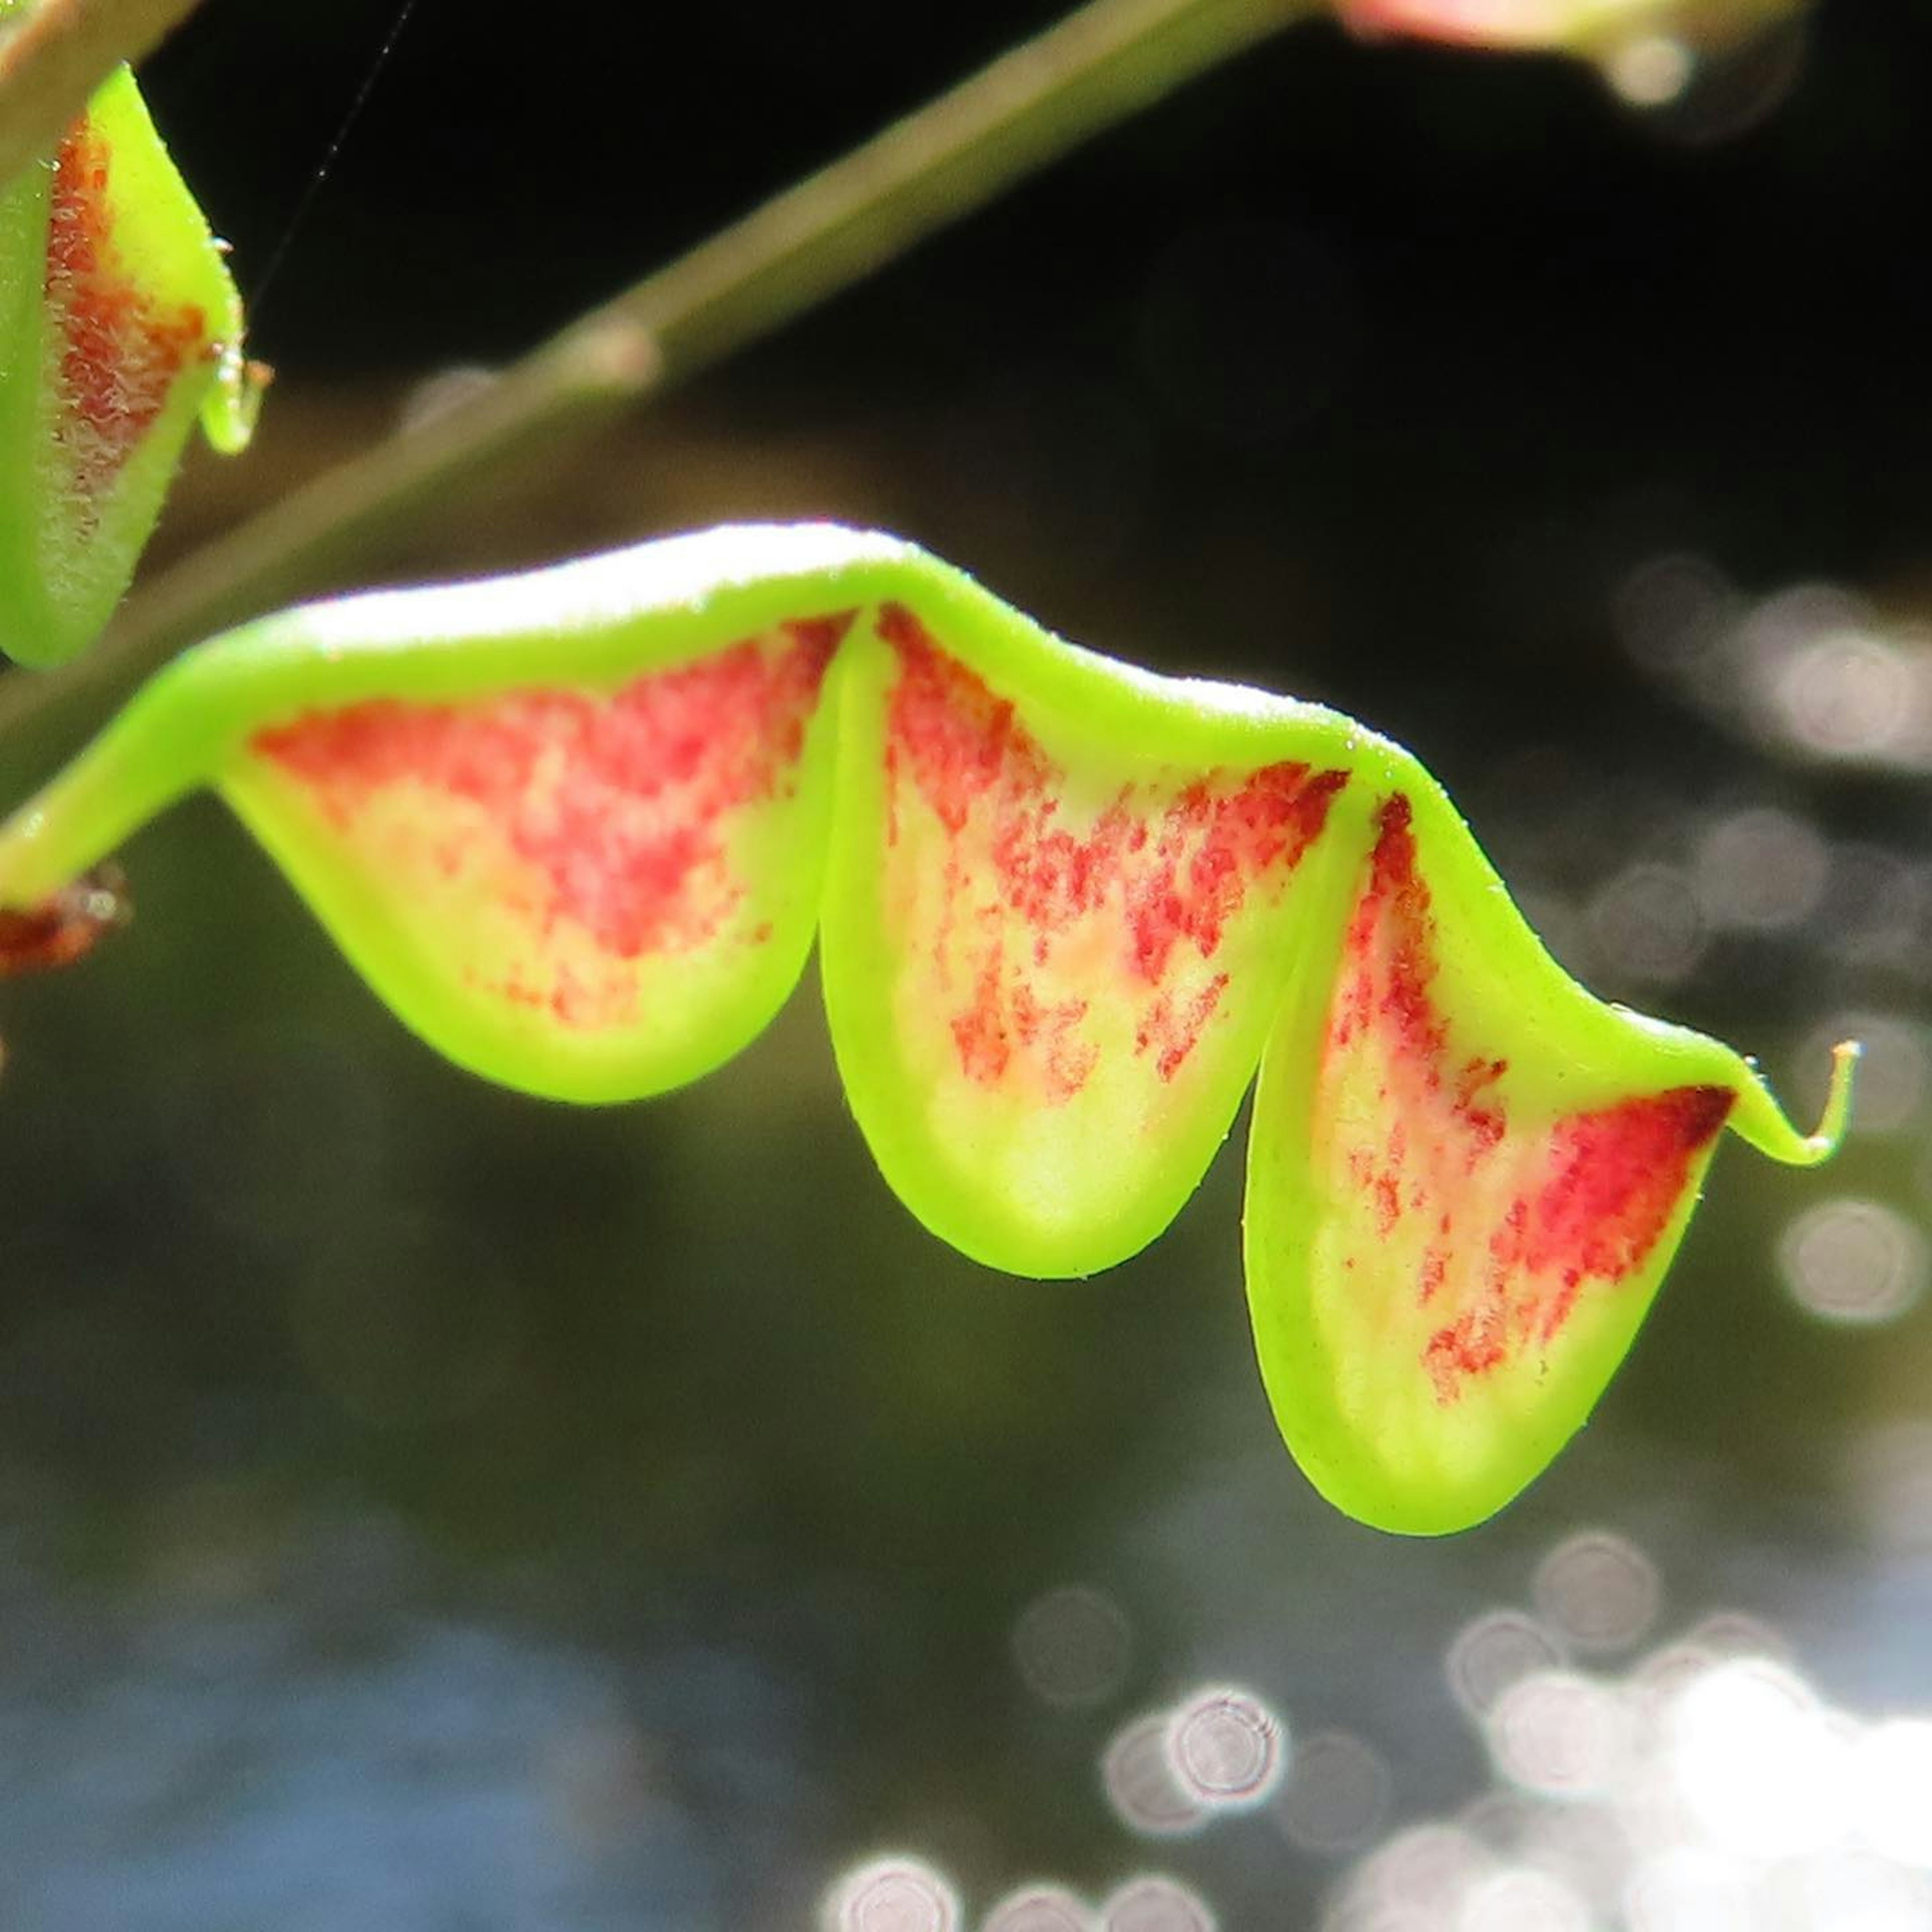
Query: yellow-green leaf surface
119,326
1466,1179
1050,967
579,827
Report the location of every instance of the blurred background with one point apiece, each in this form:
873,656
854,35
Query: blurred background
423,1507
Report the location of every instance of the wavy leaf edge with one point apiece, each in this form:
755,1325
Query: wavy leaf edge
579,828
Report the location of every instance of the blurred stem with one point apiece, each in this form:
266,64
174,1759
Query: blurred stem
1033,103
55,53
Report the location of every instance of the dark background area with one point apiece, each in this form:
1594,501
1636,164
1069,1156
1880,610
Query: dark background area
1400,296
433,1509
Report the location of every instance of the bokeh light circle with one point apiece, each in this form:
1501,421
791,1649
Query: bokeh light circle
894,1893
1138,1775
1599,1590
1336,1794
1855,1262
1228,1749
1038,1908
1521,1899
1491,1651
1156,1903
1072,1645
1561,1734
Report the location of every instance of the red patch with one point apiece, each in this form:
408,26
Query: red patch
1170,1029
65,926
619,804
1614,1179
1453,20
1475,1343
121,351
1585,1199
1390,966
1167,867
1002,1021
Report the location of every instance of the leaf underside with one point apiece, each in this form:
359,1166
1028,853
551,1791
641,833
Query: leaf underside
119,327
579,831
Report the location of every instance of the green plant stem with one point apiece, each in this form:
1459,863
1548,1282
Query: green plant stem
1094,68
55,54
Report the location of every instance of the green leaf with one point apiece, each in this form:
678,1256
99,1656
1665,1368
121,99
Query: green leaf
119,327
1054,931
578,827
1466,1178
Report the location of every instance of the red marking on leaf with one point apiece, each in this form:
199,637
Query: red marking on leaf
120,349
619,805
1170,1032
1435,1265
1390,966
65,926
1003,1019
1164,868
1475,23
1612,1180
1585,1199
1615,1178
1476,1342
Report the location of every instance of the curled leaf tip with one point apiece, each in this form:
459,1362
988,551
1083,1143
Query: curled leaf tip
1830,1135
1761,1121
233,404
